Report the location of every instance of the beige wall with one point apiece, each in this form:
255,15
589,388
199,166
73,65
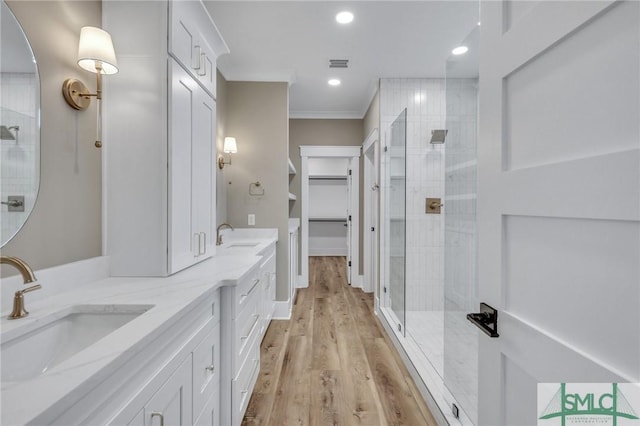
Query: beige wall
372,117
324,132
65,224
257,115
221,122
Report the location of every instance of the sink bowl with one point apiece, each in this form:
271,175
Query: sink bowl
59,336
243,244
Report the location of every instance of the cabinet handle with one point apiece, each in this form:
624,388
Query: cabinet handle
196,253
203,65
205,242
197,67
255,283
210,368
157,414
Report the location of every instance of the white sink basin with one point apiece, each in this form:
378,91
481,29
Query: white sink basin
58,337
243,244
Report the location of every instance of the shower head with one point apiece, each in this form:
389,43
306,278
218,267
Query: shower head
6,134
438,136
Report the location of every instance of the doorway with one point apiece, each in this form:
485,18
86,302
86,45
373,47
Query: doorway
330,207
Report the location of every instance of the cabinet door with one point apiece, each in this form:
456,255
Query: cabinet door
183,238
203,173
189,36
172,404
210,415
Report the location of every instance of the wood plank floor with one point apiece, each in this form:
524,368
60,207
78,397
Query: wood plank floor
332,363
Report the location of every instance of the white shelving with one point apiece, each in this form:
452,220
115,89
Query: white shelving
292,172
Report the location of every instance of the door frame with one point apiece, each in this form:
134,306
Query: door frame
351,153
371,147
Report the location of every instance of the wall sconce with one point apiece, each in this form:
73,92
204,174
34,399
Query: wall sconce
95,54
229,147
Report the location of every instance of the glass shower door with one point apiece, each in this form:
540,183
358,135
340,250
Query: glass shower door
396,217
460,372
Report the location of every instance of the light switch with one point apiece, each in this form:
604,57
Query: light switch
251,219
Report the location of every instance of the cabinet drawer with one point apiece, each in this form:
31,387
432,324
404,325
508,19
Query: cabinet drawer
245,289
242,387
246,331
206,368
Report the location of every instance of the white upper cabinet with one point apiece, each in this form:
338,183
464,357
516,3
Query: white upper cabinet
160,130
194,41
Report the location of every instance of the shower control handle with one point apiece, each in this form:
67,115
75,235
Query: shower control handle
486,320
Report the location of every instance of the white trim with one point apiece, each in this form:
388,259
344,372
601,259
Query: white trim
371,216
301,283
329,151
326,115
357,281
370,140
277,77
352,153
283,309
372,94
327,251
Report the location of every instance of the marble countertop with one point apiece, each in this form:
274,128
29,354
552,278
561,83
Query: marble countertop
171,297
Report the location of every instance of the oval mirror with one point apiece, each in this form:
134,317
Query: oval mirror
19,126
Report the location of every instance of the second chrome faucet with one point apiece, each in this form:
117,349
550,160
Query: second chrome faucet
218,236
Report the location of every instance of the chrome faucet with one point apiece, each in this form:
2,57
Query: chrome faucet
28,277
218,236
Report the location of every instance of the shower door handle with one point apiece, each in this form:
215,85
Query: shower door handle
486,320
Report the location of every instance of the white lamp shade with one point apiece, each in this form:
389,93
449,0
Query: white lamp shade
230,146
96,45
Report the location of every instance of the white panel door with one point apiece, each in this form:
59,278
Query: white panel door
558,199
204,174
172,403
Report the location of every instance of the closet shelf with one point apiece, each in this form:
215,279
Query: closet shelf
328,219
327,177
292,169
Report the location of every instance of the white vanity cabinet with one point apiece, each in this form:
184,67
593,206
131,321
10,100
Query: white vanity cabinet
268,272
243,309
159,136
171,404
185,389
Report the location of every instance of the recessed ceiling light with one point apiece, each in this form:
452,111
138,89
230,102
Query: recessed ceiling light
344,17
334,82
460,50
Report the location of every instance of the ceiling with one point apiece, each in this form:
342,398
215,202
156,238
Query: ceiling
292,41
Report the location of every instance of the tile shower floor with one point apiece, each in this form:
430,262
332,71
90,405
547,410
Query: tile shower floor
460,368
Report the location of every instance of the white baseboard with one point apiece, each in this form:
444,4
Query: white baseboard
283,309
357,281
301,282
